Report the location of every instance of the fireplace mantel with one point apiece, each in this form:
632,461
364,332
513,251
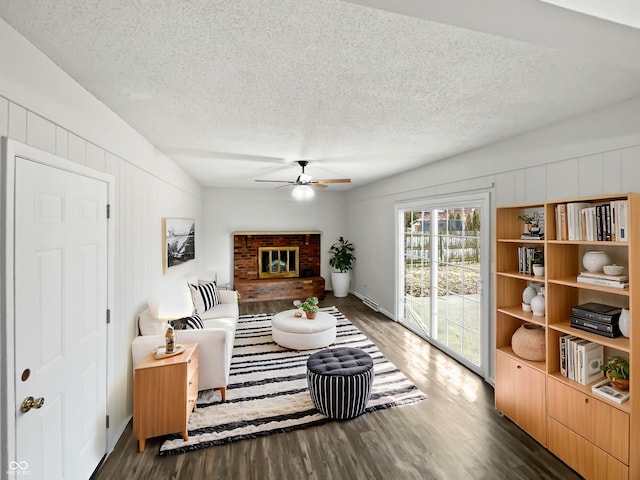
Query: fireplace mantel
278,232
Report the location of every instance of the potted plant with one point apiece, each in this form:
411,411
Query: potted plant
342,261
530,223
617,371
538,263
310,307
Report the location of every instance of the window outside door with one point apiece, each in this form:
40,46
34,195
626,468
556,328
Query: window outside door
442,258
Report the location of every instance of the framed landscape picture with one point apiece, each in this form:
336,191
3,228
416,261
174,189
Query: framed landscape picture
179,241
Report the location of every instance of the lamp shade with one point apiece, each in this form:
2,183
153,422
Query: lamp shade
302,192
173,305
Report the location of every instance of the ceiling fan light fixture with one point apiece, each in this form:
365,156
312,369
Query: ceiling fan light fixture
303,192
304,178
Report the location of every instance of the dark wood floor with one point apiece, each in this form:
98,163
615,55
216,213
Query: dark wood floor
455,434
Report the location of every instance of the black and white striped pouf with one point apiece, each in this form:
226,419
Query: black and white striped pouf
339,381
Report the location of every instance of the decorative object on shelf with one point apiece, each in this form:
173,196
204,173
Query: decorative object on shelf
593,260
342,261
613,269
538,263
624,321
528,342
527,295
531,223
310,307
537,304
617,371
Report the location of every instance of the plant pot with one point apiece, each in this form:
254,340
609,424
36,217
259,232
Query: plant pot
340,283
538,270
617,383
311,315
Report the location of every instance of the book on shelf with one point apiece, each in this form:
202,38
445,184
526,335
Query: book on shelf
599,312
595,326
602,281
606,390
597,332
580,359
532,236
605,221
604,276
526,257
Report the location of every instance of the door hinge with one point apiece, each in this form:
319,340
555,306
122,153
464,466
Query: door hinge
108,316
107,421
108,210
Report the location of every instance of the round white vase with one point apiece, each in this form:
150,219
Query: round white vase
527,294
537,305
624,322
593,261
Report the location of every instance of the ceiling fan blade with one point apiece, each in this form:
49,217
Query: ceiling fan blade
318,185
334,180
275,181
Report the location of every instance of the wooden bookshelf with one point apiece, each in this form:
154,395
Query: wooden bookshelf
601,443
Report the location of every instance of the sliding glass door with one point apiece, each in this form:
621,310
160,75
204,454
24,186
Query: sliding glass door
442,258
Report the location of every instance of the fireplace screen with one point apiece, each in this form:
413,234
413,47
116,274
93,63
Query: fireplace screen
274,262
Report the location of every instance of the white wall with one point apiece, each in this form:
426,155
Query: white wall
41,106
588,155
229,210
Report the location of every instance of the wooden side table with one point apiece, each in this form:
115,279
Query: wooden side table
164,394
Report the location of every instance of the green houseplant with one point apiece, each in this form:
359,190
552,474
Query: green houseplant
617,371
310,307
341,260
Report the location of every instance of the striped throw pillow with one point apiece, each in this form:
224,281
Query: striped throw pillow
204,296
193,322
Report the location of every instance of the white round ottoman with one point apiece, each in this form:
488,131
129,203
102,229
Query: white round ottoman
300,333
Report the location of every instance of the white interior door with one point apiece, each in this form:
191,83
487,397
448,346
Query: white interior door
60,265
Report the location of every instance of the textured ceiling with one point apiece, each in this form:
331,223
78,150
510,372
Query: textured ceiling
235,90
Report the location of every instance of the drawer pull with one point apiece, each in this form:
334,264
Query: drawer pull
519,366
586,400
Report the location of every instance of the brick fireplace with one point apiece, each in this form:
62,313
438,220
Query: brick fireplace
247,267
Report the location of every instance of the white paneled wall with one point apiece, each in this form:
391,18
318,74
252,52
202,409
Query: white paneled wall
142,199
592,154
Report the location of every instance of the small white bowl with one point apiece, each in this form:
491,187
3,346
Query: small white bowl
613,269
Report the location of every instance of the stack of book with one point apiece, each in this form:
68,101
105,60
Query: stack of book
615,281
606,390
580,359
532,236
589,221
597,318
525,259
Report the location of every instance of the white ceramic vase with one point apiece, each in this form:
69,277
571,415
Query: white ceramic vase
593,261
537,304
624,321
527,295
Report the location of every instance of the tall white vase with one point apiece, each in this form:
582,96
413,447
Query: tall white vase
340,282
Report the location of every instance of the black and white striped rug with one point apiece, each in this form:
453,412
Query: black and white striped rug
267,391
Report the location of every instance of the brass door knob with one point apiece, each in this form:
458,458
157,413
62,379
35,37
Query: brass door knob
31,402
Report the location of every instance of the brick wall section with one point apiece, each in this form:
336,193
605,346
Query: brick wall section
245,252
245,267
